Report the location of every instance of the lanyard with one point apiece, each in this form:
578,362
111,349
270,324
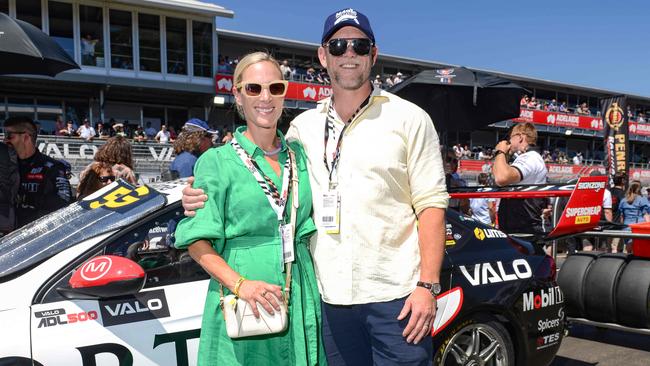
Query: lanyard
277,200
329,132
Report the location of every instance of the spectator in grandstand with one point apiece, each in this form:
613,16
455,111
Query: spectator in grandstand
163,135
118,152
322,77
224,67
458,151
397,78
520,215
377,82
388,83
562,158
634,208
195,138
523,102
95,177
577,158
532,103
482,155
546,155
150,131
59,126
286,70
641,118
467,153
68,131
9,185
454,180
88,50
484,209
86,131
44,187
552,106
563,107
583,109
172,134
139,135
310,77
118,130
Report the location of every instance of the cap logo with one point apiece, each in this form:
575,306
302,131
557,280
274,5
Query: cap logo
345,15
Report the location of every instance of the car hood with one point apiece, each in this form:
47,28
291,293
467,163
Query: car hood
114,206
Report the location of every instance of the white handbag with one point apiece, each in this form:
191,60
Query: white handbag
237,313
240,321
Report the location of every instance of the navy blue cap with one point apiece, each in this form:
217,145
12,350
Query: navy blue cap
346,17
196,124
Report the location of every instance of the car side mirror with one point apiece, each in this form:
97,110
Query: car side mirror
105,276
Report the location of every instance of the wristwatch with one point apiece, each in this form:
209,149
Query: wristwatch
434,288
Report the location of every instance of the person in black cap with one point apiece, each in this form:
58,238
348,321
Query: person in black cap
379,211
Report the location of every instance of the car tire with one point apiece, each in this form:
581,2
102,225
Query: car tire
600,287
633,294
491,335
571,279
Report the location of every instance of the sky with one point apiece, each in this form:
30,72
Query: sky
595,43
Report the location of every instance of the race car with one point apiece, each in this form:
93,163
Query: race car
100,283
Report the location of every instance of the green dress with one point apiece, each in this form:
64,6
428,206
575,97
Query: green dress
243,228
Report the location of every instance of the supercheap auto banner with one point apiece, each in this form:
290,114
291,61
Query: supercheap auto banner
616,135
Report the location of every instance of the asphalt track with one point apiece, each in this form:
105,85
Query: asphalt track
588,345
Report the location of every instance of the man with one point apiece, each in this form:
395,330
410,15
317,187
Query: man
195,139
86,131
484,209
379,212
520,215
150,131
618,194
163,135
43,184
9,184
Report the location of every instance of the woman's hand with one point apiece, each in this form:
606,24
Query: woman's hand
254,292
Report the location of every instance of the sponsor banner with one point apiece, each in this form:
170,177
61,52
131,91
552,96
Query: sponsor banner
560,119
616,136
548,340
296,91
142,306
54,317
79,149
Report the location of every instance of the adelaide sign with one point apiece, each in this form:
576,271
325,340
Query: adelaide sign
297,91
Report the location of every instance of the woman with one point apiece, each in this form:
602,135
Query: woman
634,208
95,178
118,152
236,239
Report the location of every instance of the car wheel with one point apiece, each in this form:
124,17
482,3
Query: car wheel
476,342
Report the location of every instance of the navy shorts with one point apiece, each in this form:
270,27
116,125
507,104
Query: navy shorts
370,334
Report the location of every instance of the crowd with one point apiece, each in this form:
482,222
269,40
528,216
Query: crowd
581,108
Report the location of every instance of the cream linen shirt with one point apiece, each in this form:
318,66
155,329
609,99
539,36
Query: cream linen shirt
390,169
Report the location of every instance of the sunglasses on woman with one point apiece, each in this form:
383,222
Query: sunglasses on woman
277,88
338,46
106,178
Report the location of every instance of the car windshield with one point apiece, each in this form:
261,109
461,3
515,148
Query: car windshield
116,205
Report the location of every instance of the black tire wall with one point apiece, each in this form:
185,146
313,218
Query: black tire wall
633,294
571,279
601,285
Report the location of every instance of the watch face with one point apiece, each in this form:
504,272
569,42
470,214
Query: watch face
435,289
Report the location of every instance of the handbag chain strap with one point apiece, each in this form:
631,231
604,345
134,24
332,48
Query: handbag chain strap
294,206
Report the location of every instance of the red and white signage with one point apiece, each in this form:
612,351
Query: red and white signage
297,91
574,121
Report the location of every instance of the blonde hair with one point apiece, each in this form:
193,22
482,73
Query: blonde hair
527,129
244,63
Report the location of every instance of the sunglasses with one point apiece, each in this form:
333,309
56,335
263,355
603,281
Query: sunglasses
10,134
338,46
106,178
277,88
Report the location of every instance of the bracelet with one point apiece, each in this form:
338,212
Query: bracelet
235,289
496,153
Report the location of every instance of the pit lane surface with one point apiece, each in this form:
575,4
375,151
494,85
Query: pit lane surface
588,345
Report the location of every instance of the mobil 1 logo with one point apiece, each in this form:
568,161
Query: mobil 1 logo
130,309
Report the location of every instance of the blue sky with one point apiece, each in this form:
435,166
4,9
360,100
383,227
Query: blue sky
598,44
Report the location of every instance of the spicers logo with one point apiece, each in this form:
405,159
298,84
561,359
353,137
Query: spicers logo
143,306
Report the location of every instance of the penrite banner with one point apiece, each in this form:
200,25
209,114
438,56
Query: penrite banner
616,136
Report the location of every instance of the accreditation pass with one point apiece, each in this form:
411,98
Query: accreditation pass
331,213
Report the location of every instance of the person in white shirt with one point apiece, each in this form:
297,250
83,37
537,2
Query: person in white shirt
520,215
163,135
86,131
483,209
380,212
